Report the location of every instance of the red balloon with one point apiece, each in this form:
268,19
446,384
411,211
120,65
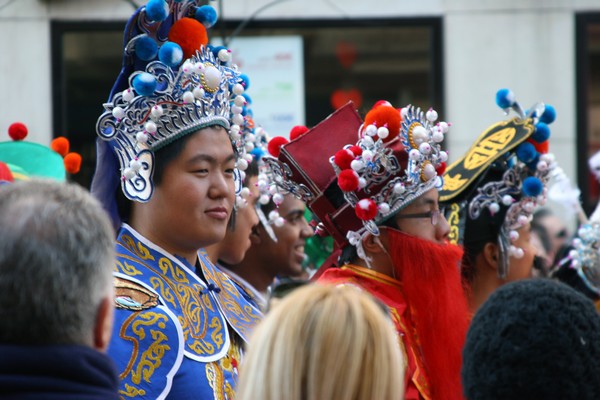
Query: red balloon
340,97
345,53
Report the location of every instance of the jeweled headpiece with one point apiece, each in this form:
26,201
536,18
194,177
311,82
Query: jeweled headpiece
172,84
505,172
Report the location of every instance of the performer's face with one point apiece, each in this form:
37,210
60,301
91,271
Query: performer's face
423,227
193,203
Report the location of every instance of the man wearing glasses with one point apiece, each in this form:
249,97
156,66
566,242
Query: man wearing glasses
380,204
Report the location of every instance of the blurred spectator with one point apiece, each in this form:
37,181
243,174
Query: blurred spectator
557,231
323,343
56,293
534,339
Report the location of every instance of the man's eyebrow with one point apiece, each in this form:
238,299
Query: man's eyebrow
426,201
209,158
294,213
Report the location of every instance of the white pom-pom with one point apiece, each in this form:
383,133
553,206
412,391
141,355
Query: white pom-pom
238,89
277,199
425,148
249,146
199,93
272,189
129,174
118,113
399,188
541,200
157,111
443,156
245,193
414,155
522,220
212,76
494,208
404,112
150,127
237,109
135,165
362,182
239,101
419,134
273,215
279,222
517,252
237,119
514,236
357,165
371,130
240,202
188,97
367,155
248,157
242,164
437,136
141,137
224,55
507,200
528,206
431,115
429,172
234,129
368,141
128,95
573,253
264,199
542,166
187,67
444,126
384,208
383,132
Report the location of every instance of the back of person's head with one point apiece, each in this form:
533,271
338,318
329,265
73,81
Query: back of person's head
325,343
56,258
533,339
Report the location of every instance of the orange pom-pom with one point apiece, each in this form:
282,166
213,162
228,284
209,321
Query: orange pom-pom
298,131
541,148
189,34
348,180
17,131
60,145
72,163
275,144
384,115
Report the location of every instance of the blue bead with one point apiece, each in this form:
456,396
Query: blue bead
505,98
526,152
542,132
549,114
206,15
146,48
532,186
170,54
157,10
144,84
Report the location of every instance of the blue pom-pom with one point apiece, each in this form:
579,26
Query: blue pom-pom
206,15
157,10
245,81
505,98
526,152
144,84
216,49
146,48
542,132
170,54
532,186
257,152
532,165
247,97
549,115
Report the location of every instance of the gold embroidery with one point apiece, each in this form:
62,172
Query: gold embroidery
489,148
152,357
132,391
178,274
215,373
159,285
140,250
453,221
453,183
127,269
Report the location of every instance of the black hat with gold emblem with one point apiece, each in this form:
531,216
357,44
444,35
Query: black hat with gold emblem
493,189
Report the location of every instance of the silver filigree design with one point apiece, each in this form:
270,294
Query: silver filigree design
282,179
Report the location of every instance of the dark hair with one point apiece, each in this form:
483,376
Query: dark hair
251,171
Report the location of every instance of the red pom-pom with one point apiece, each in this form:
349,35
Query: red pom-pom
275,144
17,131
60,145
387,116
382,103
541,148
366,209
343,158
441,169
72,163
190,34
5,173
298,131
348,180
356,150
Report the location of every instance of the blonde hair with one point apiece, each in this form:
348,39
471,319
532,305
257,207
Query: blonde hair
323,343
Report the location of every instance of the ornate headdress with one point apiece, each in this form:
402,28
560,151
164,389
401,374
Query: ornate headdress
172,84
504,173
355,175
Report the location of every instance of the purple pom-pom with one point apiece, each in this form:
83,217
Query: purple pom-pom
144,84
505,98
542,132
532,186
170,54
526,152
206,15
146,48
549,114
157,10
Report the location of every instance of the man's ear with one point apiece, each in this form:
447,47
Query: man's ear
104,323
375,244
491,254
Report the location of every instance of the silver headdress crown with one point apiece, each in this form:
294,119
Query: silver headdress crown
585,257
397,159
167,100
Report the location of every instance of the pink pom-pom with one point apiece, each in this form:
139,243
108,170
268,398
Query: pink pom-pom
348,180
366,209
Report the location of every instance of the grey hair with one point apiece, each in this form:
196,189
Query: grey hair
56,261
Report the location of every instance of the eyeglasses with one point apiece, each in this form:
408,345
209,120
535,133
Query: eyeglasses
434,215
